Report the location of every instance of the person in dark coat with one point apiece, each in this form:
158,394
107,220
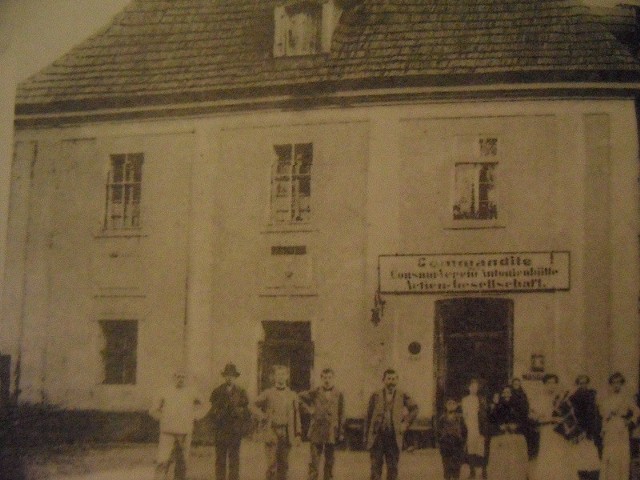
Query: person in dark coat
508,459
452,434
520,402
231,418
585,409
389,415
325,404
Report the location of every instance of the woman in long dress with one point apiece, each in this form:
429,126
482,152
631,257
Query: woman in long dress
474,414
508,458
554,452
618,412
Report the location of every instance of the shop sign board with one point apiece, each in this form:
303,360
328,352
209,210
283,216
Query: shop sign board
475,272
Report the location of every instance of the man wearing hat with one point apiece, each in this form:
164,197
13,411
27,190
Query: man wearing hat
231,419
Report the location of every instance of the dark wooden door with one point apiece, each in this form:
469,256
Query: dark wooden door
5,380
288,344
473,339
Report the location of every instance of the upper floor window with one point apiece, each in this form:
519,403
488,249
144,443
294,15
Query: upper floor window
119,355
124,188
291,183
298,29
475,192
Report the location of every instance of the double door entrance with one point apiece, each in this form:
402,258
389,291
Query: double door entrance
473,339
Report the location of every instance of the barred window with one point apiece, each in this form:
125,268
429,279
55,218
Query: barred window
291,183
124,189
119,355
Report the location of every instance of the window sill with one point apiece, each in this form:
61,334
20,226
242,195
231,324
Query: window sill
473,224
288,292
123,233
289,228
117,385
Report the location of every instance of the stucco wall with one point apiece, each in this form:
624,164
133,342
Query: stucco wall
381,181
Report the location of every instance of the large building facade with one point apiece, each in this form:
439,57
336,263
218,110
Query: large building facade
447,188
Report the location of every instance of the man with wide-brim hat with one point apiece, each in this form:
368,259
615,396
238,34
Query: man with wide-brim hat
231,420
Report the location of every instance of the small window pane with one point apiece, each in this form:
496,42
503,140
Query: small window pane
124,191
291,182
475,191
117,168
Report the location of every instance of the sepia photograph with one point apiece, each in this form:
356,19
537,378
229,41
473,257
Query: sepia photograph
319,239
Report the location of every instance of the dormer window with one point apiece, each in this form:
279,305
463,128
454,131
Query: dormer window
304,27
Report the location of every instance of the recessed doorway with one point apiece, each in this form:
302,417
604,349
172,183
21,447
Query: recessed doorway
473,338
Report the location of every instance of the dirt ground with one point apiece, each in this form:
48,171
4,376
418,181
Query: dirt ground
135,462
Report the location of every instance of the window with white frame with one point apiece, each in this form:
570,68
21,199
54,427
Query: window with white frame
475,189
298,27
119,352
291,183
124,190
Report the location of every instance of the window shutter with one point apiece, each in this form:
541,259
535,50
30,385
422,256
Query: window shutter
279,31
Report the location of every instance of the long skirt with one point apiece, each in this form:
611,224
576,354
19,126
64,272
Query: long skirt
554,457
616,455
585,456
508,458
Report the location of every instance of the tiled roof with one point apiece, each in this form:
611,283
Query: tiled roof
175,51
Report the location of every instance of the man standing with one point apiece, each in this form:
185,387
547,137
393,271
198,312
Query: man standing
176,407
230,417
281,423
326,427
391,411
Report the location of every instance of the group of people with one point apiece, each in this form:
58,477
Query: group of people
580,435
277,410
231,417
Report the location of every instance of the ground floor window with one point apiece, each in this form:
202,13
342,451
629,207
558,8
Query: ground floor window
119,353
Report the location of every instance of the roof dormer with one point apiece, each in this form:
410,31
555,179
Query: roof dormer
304,27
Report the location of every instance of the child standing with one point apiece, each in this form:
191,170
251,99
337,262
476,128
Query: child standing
452,434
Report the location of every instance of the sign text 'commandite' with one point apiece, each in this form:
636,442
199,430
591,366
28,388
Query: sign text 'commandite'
475,272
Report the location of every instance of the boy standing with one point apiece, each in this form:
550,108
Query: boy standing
281,422
451,435
326,407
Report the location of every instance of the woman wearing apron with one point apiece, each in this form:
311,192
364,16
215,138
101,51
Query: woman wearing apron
554,449
474,414
618,412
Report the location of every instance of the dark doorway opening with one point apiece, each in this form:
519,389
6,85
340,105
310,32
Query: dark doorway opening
473,338
288,344
5,380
